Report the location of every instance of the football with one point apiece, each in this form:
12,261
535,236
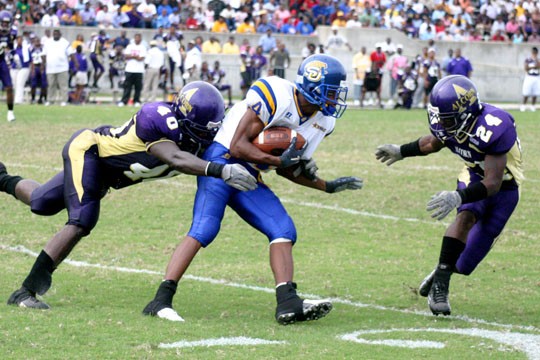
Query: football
275,140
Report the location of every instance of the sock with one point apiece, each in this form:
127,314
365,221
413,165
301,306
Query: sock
40,278
286,292
10,107
166,291
451,249
8,182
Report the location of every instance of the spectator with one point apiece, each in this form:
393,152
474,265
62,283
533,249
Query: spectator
64,14
192,23
174,17
245,68
280,60
117,66
309,50
388,47
192,63
217,80
154,63
38,76
531,83
432,73
396,65
259,63
211,46
135,19
340,20
50,19
460,65
499,36
135,54
104,18
336,41
304,27
246,27
122,40
230,47
282,16
165,6
289,27
162,20
81,75
56,54
372,84
172,42
120,19
378,57
220,25
148,11
354,21
267,42
407,84
229,15
361,64
20,68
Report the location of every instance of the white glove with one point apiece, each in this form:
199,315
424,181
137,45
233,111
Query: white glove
389,153
442,203
238,177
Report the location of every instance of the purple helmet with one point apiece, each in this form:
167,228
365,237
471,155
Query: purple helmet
453,105
320,80
5,21
200,109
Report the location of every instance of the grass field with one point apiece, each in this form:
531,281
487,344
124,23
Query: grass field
368,250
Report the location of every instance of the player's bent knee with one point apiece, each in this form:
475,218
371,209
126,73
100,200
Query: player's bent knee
205,230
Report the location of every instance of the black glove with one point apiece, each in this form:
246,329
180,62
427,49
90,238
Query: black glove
344,183
291,156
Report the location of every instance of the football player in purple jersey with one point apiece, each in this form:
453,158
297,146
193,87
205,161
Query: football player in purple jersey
7,37
161,140
487,192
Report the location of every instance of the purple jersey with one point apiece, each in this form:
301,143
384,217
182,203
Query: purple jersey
492,133
459,66
123,150
6,44
432,67
408,81
82,62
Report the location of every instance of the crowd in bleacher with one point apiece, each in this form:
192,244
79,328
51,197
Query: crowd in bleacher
446,20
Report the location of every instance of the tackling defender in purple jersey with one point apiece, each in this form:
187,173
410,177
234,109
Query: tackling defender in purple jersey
487,193
161,140
8,33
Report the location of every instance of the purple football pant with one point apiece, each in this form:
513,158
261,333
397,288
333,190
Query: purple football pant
491,215
5,76
79,188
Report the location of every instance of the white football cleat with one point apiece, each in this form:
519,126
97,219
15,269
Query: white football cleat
10,116
169,314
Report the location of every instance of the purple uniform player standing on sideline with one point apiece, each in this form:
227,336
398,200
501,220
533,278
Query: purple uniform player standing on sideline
38,76
97,49
485,138
407,83
8,33
161,140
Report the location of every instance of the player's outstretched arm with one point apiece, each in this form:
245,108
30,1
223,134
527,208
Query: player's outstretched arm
391,153
234,175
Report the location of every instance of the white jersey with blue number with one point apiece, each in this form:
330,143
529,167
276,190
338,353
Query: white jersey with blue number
275,101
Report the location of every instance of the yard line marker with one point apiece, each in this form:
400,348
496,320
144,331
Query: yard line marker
223,282
239,340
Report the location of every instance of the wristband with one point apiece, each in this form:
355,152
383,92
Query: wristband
474,192
214,169
411,149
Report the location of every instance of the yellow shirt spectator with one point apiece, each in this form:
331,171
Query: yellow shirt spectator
211,46
245,28
220,26
231,48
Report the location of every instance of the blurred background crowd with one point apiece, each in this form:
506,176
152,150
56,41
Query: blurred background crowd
461,20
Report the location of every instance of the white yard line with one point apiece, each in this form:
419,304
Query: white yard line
239,340
24,250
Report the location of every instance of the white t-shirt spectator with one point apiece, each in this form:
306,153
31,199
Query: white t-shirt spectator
57,54
155,58
50,20
134,65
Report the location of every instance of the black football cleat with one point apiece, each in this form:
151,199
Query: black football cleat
302,310
26,299
438,294
162,311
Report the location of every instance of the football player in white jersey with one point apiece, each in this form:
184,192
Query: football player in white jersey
310,106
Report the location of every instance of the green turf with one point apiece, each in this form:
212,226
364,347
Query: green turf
347,250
